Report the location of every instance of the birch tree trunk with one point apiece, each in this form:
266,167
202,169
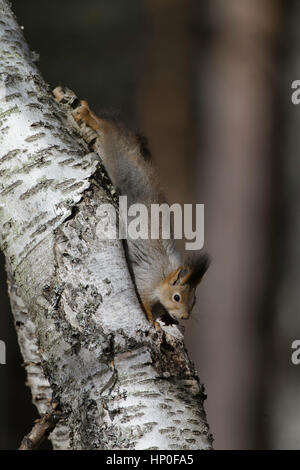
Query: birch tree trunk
85,341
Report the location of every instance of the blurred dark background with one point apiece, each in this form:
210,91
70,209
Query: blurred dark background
210,84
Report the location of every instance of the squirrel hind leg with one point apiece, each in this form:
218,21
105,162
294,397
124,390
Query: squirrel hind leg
84,114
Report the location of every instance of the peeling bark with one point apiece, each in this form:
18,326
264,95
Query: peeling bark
85,341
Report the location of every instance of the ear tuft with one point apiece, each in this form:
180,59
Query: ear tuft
198,266
173,277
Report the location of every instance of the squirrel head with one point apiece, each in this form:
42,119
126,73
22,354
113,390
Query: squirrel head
176,292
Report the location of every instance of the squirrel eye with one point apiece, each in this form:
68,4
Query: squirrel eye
176,297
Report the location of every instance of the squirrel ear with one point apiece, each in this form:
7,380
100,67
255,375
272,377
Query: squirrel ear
197,267
174,277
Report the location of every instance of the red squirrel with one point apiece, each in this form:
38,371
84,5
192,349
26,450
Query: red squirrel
165,284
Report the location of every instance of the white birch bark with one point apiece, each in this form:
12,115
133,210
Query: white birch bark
85,341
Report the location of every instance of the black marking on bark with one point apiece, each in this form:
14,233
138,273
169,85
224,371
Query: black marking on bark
35,189
4,130
11,187
12,96
45,151
64,184
68,151
35,137
38,163
28,247
11,68
42,228
13,80
72,187
34,106
66,162
9,155
9,111
43,124
35,220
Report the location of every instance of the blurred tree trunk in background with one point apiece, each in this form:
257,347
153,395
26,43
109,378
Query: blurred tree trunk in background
282,382
164,97
234,166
